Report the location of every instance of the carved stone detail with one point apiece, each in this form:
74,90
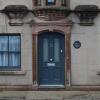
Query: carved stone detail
86,14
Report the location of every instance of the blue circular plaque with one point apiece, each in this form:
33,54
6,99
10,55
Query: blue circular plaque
77,44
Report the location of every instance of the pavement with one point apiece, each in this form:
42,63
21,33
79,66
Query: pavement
49,95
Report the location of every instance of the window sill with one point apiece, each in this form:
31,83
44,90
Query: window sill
12,72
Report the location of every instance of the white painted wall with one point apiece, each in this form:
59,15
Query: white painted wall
26,44
86,60
74,3
3,3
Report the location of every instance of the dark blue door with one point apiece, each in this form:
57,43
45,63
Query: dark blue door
51,58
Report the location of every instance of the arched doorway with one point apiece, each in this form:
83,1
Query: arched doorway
51,58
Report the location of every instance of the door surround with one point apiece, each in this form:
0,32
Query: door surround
40,29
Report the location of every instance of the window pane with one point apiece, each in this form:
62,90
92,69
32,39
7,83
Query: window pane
63,2
14,59
3,43
10,57
56,50
14,43
14,51
45,50
51,1
4,59
39,2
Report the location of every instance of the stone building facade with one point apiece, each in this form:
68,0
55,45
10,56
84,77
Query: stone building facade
49,43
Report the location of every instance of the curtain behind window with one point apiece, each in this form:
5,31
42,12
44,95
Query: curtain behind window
3,51
14,50
9,51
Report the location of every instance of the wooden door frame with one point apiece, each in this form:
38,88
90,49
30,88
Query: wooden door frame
67,57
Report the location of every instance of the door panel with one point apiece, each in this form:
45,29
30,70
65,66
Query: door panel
45,50
56,50
51,59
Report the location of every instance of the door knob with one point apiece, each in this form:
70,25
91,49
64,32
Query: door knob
51,59
61,50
